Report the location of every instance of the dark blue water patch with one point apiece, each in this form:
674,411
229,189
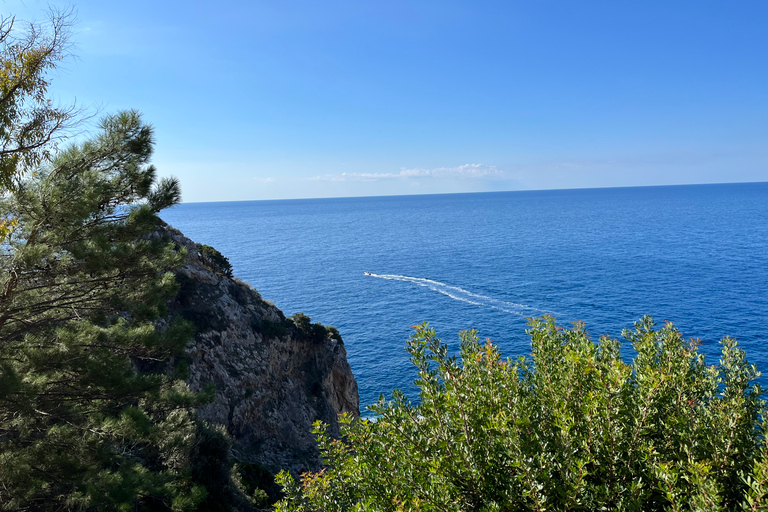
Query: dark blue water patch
694,255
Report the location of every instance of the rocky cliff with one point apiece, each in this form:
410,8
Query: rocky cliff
274,376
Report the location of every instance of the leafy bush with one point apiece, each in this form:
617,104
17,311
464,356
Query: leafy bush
212,468
316,332
573,427
258,483
271,329
214,259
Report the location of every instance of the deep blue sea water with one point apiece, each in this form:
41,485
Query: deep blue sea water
695,255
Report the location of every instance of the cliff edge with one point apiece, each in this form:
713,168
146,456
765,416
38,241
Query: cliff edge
274,376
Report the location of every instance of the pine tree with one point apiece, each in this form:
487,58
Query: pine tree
92,416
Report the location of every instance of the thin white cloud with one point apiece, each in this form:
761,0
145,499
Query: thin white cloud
466,171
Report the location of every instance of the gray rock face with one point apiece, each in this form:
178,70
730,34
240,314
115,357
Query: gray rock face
274,377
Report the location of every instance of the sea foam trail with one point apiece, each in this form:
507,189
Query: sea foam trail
463,295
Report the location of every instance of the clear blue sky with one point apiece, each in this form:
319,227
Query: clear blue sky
288,99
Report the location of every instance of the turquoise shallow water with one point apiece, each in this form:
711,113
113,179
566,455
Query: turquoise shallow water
695,255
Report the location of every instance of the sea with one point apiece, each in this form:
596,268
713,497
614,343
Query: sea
695,255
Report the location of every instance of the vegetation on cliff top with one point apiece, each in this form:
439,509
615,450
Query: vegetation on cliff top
91,414
94,415
573,427
214,259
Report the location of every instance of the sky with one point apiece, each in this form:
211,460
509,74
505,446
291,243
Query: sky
294,99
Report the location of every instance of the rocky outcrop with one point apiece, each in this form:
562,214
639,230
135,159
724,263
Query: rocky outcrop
274,376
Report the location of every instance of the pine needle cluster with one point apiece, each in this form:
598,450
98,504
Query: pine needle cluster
94,411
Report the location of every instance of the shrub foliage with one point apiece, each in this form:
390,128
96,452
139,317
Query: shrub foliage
214,259
573,427
316,332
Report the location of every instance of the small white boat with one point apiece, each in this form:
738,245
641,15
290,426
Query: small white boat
367,274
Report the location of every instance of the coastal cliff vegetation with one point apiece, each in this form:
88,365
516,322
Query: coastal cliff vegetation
572,427
96,412
91,415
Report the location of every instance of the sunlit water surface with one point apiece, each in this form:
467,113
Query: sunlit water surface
694,255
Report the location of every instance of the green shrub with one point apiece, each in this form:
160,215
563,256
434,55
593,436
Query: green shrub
215,260
573,427
334,333
210,467
271,329
317,332
258,483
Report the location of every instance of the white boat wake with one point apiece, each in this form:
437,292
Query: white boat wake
463,295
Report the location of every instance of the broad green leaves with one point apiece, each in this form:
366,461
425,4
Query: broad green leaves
573,427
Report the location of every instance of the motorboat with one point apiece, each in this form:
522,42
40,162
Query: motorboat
367,274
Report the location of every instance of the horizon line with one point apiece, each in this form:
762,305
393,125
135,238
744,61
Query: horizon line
481,192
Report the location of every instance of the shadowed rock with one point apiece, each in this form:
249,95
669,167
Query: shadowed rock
273,377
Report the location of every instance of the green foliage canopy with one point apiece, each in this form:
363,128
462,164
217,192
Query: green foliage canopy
573,427
317,332
213,258
93,414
